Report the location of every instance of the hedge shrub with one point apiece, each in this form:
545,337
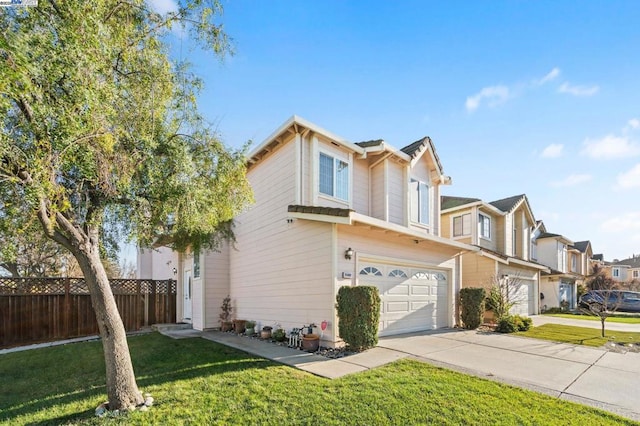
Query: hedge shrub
358,315
513,323
472,307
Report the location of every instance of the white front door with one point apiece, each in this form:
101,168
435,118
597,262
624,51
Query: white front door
186,297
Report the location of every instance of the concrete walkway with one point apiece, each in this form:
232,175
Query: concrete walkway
590,376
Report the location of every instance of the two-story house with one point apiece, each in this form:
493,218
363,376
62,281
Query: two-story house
329,213
568,262
501,230
626,270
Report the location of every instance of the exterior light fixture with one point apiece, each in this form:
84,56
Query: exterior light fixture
175,271
348,254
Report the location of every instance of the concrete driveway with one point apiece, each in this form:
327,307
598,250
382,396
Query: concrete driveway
590,376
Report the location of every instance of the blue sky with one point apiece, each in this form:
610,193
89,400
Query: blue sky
540,98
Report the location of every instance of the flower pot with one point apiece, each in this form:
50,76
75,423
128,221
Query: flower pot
226,326
310,342
265,334
239,326
250,331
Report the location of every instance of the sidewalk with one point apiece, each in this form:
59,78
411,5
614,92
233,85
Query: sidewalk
609,325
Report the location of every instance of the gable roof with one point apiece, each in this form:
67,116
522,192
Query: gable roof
509,203
632,262
451,202
582,246
419,147
556,236
368,144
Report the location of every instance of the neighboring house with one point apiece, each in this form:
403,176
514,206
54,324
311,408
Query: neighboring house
569,264
159,263
501,230
626,270
331,213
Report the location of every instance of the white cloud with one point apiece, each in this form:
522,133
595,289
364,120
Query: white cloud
630,179
552,75
163,6
552,151
578,90
624,223
634,123
572,180
610,146
495,95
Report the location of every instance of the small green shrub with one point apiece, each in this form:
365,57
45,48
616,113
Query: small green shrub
279,335
472,306
358,314
513,323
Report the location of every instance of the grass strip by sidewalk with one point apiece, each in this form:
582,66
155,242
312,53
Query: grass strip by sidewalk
196,381
579,335
631,319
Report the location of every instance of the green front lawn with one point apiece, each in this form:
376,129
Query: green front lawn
580,335
626,319
195,381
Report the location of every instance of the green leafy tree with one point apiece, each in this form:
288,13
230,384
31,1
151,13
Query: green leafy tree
100,136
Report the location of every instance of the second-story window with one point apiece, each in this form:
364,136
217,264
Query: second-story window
462,225
419,202
615,272
334,177
636,274
574,263
484,226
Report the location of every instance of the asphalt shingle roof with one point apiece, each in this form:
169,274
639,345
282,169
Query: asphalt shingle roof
633,262
366,144
582,246
506,204
329,211
451,202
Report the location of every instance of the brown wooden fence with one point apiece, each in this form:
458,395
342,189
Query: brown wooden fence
35,310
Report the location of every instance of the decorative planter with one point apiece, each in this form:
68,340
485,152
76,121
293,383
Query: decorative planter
250,331
310,342
226,326
239,326
265,334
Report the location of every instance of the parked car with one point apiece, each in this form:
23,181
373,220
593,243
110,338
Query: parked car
611,300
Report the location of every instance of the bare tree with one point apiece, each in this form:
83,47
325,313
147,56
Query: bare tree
603,297
504,294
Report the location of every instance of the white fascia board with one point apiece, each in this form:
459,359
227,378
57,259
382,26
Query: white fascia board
321,218
378,223
461,207
294,119
491,256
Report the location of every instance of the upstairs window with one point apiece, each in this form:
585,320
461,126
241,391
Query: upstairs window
636,274
462,225
419,202
574,263
615,272
334,177
484,226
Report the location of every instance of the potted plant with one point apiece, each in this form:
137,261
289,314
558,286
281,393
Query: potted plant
250,328
225,315
266,332
310,342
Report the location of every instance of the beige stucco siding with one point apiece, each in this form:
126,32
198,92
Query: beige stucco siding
361,187
396,192
216,277
477,270
378,191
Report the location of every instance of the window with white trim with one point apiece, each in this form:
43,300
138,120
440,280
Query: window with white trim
574,262
462,225
419,192
484,226
334,177
370,270
196,264
615,272
397,273
636,274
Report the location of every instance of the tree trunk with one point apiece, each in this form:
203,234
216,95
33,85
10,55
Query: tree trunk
122,389
602,320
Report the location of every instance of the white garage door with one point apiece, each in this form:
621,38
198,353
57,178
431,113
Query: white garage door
522,294
412,299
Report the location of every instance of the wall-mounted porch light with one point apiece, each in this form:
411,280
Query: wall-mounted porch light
348,254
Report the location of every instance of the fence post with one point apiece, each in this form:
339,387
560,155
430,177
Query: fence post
67,307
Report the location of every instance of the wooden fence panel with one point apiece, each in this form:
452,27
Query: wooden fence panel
34,310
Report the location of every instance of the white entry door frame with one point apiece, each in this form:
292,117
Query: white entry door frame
187,304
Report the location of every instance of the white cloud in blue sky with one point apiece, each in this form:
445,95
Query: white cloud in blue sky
578,90
493,96
610,147
552,75
553,151
629,179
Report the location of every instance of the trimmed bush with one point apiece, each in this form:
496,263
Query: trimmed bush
358,314
513,323
472,307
